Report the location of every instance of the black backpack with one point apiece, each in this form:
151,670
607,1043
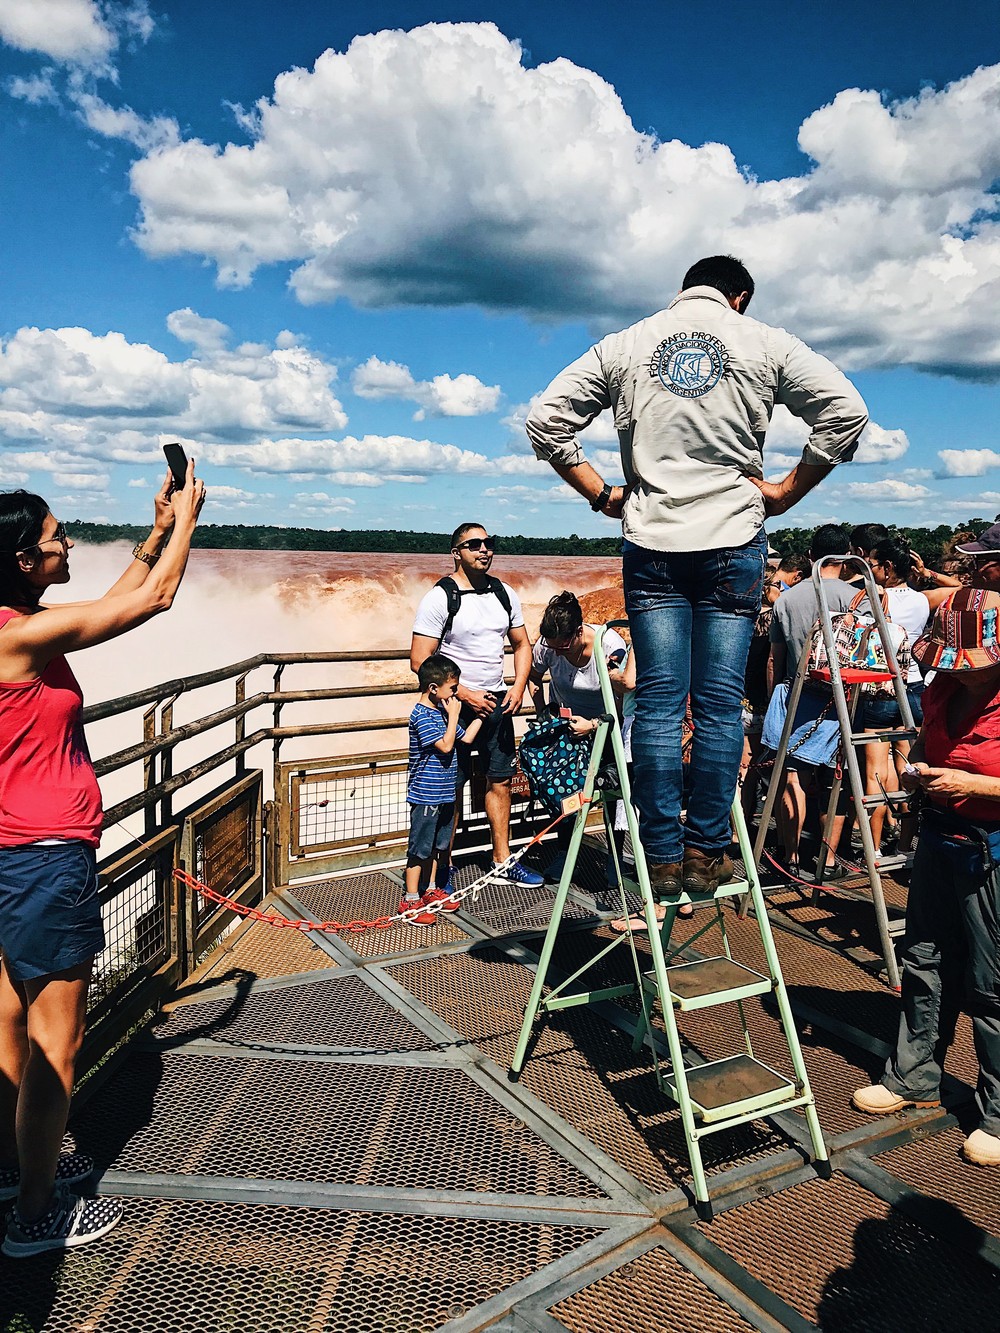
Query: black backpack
455,594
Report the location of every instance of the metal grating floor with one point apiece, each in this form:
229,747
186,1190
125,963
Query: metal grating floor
379,1125
215,1267
651,1292
339,1012
365,898
848,1262
346,1153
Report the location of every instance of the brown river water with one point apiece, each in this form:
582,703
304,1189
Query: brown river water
234,604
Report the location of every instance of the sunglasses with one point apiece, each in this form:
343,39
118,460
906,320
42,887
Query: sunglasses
60,535
987,558
478,544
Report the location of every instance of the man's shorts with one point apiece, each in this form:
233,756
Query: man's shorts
495,742
50,916
430,830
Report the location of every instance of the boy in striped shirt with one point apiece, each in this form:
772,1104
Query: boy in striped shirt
431,786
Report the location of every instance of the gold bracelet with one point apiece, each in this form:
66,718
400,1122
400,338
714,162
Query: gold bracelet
139,554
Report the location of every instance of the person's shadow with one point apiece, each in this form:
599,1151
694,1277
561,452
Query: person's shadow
914,1270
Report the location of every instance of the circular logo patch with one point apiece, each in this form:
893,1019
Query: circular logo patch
689,367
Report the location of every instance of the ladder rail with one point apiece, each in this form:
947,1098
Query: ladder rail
711,1117
846,733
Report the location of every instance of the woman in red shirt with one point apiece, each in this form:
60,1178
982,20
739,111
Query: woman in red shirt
953,910
50,826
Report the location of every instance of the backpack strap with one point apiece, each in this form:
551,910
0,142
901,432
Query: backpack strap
454,594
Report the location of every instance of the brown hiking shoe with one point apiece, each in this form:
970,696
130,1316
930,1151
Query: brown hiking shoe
667,878
703,874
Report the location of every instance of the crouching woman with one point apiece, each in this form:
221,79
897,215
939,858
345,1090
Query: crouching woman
952,946
50,826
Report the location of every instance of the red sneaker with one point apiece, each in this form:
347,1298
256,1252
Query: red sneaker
415,915
439,896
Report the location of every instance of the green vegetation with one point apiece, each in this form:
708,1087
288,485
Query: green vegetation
929,542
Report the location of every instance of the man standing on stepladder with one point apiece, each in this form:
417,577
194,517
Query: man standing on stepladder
692,389
469,616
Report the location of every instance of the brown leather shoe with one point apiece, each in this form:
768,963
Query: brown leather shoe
704,874
667,878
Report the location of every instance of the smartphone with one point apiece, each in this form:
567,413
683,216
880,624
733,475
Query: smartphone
178,464
617,658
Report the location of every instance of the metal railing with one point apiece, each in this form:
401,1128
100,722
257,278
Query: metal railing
326,815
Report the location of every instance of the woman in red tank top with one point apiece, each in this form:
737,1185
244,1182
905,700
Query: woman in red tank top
50,826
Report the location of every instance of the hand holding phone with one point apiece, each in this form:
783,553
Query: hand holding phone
617,658
178,464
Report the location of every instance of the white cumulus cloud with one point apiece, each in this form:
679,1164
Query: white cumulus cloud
967,462
74,31
442,396
891,490
91,393
530,189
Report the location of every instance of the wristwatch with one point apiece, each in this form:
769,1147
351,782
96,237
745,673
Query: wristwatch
598,503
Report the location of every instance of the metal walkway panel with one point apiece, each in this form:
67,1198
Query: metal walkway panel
366,898
340,1012
651,1292
935,1167
511,909
582,1068
263,951
387,1126
212,1267
847,1262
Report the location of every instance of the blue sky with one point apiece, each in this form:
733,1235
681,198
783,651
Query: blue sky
338,262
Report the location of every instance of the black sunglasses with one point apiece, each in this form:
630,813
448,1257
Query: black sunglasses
477,543
60,536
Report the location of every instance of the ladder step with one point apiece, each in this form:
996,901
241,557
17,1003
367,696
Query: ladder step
888,734
735,1086
710,981
894,862
735,888
890,798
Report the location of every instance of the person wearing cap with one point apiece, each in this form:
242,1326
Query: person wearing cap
985,553
953,912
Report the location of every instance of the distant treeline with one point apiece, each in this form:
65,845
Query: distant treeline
929,542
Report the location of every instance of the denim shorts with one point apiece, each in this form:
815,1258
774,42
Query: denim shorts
495,742
50,914
430,830
883,712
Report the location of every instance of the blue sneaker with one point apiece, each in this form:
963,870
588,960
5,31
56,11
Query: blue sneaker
516,873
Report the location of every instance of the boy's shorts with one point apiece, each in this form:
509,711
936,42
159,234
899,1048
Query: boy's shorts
50,914
430,830
495,741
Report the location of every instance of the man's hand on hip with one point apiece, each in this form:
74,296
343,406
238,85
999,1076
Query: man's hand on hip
776,498
479,701
779,496
616,502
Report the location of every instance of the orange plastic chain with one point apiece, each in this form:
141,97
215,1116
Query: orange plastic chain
355,927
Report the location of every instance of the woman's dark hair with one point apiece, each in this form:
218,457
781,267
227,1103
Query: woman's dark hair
892,553
22,518
562,617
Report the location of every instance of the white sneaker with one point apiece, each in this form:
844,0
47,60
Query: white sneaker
879,1100
982,1148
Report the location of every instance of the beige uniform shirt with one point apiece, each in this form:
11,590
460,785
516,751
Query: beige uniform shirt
692,389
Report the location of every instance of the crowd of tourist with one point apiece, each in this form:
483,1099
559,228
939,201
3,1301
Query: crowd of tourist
718,623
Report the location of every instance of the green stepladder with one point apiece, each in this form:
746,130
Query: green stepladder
712,1096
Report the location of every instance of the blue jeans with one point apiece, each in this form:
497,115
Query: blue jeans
691,614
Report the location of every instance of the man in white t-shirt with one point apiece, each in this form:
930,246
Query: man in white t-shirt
469,619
